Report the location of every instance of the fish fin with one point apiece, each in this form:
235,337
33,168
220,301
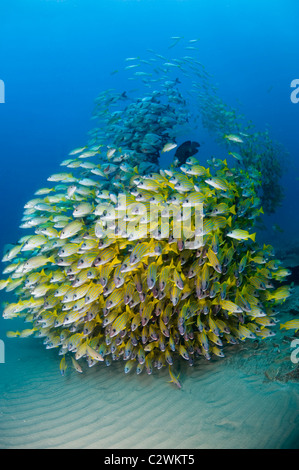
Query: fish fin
159,260
115,261
175,380
229,220
233,210
128,310
252,236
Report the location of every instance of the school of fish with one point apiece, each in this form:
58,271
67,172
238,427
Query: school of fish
101,279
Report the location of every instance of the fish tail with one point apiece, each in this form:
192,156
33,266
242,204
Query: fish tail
174,379
252,236
233,210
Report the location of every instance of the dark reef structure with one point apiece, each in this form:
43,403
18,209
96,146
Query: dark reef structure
185,150
254,149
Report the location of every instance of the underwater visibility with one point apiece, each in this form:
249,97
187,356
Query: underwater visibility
143,253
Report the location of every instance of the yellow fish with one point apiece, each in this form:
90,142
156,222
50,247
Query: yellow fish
239,234
76,366
174,379
94,354
291,325
168,147
63,365
71,229
12,334
214,261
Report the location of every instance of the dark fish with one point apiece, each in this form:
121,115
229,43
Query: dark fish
186,150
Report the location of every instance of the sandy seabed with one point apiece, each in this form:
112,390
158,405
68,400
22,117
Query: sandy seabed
246,400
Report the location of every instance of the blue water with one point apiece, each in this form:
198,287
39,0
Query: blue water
57,56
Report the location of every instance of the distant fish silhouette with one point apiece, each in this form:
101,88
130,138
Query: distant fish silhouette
186,150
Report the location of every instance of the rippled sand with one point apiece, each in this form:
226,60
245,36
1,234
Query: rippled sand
226,403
